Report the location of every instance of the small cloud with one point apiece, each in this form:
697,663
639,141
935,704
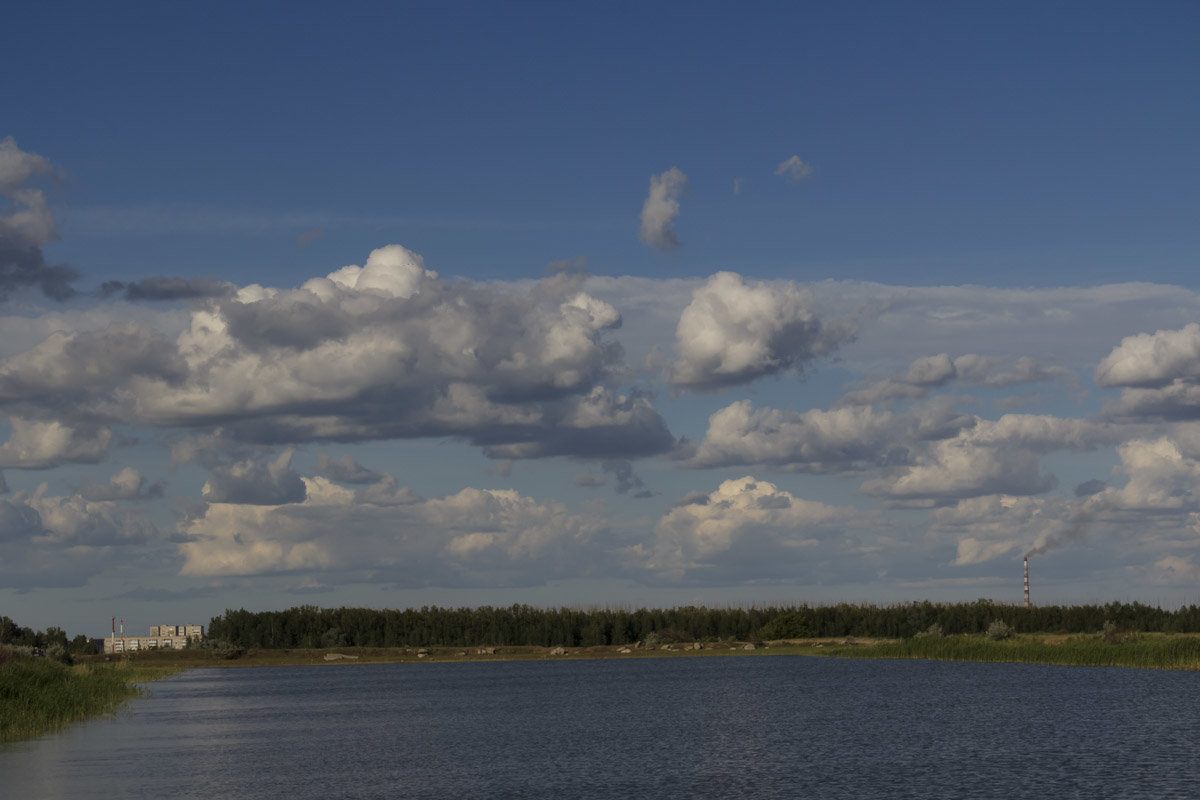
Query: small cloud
661,208
308,237
1089,488
310,586
693,498
166,595
626,479
18,166
501,469
387,493
128,484
793,169
737,186
163,288
588,479
41,444
256,483
30,226
345,470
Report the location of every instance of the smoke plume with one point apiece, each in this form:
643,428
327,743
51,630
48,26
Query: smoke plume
1072,531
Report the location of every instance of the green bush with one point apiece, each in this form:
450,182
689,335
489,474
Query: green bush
58,652
789,625
934,631
1117,634
999,629
666,636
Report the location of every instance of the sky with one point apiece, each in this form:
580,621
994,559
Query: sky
395,305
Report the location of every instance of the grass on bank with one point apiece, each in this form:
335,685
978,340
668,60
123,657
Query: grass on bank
1146,651
1136,650
38,695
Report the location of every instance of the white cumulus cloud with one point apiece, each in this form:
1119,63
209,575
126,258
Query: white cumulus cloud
1159,373
124,485
28,227
382,351
256,482
473,537
661,208
1153,359
989,457
734,331
743,522
38,444
18,166
839,440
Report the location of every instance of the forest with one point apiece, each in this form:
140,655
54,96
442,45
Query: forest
53,638
310,626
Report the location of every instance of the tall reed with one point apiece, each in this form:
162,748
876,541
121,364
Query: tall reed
1146,652
39,695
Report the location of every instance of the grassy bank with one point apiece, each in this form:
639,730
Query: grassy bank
1150,651
1142,651
39,695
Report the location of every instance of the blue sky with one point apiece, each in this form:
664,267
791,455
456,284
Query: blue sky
874,335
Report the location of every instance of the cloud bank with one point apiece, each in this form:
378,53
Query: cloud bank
265,396
382,351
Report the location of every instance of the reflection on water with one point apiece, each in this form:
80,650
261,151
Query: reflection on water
770,727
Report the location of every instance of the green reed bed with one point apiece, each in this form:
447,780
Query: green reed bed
39,695
1145,652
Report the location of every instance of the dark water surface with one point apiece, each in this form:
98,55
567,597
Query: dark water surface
764,727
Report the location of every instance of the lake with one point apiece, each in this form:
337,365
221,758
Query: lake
756,726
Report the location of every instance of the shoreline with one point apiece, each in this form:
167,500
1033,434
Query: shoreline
1179,652
1145,651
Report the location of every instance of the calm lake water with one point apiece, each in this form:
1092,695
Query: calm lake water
762,727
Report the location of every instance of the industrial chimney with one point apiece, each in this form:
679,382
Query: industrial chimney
1027,581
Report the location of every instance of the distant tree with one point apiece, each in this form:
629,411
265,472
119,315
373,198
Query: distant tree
54,636
58,652
81,645
934,631
9,630
12,633
333,638
999,629
522,625
789,625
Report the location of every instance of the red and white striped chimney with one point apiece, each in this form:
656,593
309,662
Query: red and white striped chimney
1027,581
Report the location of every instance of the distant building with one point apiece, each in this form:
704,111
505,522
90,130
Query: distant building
162,637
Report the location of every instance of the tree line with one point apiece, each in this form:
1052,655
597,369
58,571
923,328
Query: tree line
313,627
53,637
